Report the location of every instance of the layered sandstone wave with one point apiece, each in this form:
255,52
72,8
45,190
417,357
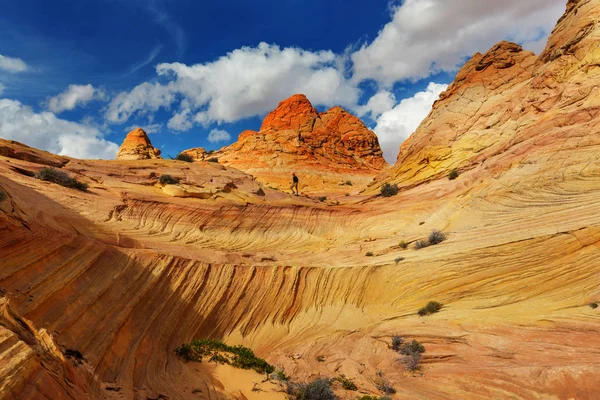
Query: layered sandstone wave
98,288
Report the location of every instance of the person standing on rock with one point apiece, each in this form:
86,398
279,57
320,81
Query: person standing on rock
294,184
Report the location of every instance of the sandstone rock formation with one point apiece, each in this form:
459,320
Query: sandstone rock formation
508,106
137,146
98,288
326,150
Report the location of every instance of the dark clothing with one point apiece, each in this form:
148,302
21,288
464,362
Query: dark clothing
295,178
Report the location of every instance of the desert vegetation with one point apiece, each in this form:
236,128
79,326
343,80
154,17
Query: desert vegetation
61,178
389,190
168,180
319,389
217,351
347,384
184,157
410,352
430,308
435,237
453,175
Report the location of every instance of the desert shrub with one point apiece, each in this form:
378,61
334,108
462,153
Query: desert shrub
280,375
389,190
421,244
397,342
60,178
453,175
3,195
322,198
347,194
594,305
184,157
213,159
168,180
215,350
398,259
436,237
347,384
413,361
348,183
384,386
319,389
403,244
369,254
431,308
321,358
411,348
260,192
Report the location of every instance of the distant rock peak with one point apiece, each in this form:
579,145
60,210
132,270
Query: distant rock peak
137,146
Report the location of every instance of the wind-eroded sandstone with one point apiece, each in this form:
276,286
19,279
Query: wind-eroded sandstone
326,150
128,271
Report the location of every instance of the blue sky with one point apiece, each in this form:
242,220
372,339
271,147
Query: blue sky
75,76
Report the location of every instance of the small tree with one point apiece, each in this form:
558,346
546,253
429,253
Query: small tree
431,308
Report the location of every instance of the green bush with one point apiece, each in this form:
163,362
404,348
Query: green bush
389,190
184,157
453,175
168,180
347,384
60,178
237,356
403,244
431,308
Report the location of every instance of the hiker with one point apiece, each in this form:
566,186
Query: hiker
294,184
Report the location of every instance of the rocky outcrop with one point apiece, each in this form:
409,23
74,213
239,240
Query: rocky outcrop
137,146
508,100
326,150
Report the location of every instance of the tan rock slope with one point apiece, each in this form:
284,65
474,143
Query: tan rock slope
326,150
98,288
508,106
137,146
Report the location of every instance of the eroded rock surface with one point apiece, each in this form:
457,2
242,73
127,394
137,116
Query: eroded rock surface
137,146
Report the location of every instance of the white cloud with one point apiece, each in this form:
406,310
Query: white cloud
381,102
2,87
74,96
45,131
218,135
148,128
429,36
246,82
143,98
10,64
181,121
396,125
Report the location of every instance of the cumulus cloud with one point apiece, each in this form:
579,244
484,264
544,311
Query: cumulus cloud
45,131
379,103
396,125
429,36
1,88
74,96
218,135
11,64
246,82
